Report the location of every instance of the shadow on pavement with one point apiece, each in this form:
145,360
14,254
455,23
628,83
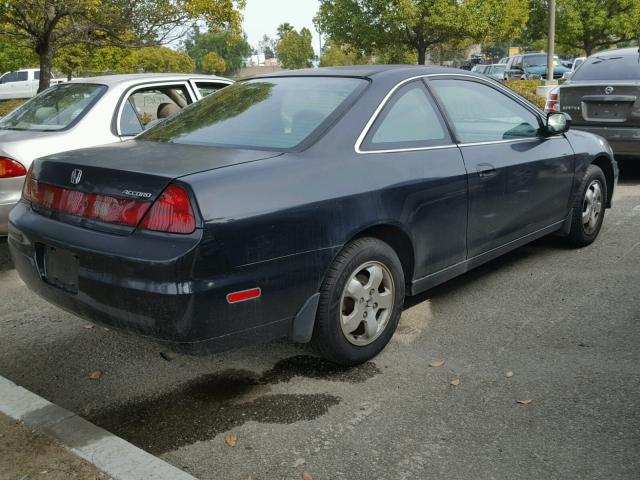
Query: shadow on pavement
5,258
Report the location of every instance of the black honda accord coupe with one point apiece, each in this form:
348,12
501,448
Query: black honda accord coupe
305,204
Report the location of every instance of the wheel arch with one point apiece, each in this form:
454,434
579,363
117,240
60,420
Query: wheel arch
605,165
398,239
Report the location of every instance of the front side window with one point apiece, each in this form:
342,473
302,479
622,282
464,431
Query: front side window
23,76
481,113
409,120
54,109
272,113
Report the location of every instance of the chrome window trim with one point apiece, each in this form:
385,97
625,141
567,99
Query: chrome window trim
385,100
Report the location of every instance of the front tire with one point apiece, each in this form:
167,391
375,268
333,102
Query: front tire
360,304
588,208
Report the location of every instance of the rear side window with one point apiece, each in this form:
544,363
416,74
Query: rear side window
623,67
409,120
266,113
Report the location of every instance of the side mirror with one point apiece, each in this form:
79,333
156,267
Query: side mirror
557,123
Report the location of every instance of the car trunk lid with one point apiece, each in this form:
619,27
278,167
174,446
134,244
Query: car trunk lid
602,104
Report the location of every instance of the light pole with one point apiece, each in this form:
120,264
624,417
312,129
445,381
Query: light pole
551,43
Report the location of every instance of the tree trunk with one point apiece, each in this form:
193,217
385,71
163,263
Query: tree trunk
422,55
45,53
587,48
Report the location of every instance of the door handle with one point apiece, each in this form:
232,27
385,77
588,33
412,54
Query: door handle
486,170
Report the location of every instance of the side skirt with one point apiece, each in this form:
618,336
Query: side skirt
441,276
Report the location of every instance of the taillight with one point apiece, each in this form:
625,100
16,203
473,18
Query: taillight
26,188
81,204
10,168
553,101
171,212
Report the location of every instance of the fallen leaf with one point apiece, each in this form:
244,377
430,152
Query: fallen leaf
524,402
231,440
168,356
455,382
306,476
437,363
508,374
88,326
96,374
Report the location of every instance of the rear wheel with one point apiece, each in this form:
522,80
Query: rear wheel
588,208
360,302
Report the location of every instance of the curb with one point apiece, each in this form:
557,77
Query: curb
114,456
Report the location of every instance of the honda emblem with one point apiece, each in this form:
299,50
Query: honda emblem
76,175
608,90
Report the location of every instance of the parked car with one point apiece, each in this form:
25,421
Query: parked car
496,71
22,83
85,113
603,97
479,68
531,66
574,66
304,204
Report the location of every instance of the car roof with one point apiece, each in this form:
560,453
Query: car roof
618,52
133,78
363,71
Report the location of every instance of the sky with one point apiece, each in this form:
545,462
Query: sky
262,17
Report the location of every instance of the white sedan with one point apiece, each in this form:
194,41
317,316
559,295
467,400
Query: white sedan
89,112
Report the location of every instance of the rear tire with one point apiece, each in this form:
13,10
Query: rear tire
588,208
360,304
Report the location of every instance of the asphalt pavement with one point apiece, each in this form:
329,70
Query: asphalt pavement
564,322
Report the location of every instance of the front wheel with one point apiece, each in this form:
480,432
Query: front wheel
360,304
588,208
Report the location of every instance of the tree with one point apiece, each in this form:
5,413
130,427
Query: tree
589,25
294,49
228,45
379,25
212,63
15,54
333,54
268,46
49,25
156,59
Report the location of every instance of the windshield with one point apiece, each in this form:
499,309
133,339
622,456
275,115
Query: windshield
539,60
609,68
271,113
54,109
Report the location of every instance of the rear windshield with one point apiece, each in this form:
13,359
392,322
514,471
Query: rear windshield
267,113
625,67
54,109
539,60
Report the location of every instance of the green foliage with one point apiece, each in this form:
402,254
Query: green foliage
229,46
381,25
527,88
294,48
15,54
156,59
212,63
333,54
590,25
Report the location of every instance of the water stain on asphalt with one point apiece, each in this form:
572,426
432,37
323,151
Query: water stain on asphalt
211,404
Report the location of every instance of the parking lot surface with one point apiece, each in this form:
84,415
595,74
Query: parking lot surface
564,322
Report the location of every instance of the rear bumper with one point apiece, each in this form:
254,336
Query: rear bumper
623,141
146,284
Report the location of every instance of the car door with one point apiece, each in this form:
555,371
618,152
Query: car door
519,180
418,170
